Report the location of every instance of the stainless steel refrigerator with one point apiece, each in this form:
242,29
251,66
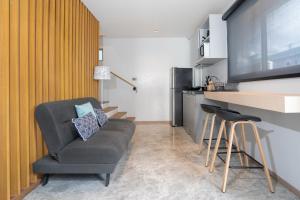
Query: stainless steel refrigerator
181,79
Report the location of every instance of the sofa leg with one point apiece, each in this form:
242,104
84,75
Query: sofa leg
107,180
45,179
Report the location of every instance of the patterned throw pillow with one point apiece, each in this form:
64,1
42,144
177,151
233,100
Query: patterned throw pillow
86,125
101,116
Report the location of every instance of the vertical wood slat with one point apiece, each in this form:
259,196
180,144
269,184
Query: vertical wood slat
97,31
76,77
98,28
62,52
66,47
45,59
80,52
4,101
32,87
87,55
57,50
90,55
95,54
45,51
72,48
37,38
86,52
14,93
39,70
83,52
24,93
52,44
71,33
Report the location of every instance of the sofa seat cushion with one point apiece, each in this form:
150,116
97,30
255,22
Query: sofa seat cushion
125,126
105,147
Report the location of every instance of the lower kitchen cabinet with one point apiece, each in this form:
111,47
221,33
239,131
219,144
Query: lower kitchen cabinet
193,116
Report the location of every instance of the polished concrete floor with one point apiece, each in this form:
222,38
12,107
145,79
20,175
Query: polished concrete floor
163,163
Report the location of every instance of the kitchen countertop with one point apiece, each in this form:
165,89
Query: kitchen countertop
192,92
279,102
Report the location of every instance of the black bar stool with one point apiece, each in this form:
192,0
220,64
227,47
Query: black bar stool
238,119
210,111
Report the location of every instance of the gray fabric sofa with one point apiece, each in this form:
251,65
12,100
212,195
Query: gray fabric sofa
68,153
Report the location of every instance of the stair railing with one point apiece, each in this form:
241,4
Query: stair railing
134,88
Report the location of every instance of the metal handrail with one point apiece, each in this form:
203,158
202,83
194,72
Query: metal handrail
134,88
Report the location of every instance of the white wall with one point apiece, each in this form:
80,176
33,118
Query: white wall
280,133
149,60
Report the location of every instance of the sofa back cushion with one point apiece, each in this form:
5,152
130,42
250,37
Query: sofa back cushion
55,122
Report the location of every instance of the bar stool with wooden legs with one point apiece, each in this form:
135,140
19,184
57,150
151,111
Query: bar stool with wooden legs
210,111
238,119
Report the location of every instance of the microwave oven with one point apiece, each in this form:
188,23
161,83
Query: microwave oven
204,49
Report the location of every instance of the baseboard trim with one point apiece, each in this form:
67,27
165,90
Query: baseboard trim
151,122
285,183
26,191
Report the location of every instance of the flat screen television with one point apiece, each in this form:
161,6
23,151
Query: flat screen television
263,39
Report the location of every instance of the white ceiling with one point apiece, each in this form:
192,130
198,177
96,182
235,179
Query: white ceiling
140,18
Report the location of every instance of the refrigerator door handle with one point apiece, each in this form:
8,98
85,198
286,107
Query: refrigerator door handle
173,108
173,77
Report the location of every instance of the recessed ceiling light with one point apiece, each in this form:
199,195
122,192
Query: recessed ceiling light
155,31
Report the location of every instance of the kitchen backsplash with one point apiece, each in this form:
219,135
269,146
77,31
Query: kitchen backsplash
219,70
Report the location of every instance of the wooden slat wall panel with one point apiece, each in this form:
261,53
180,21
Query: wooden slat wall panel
48,52
4,101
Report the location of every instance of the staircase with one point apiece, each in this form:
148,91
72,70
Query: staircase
113,113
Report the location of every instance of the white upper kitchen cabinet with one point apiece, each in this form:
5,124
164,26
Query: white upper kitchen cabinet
209,43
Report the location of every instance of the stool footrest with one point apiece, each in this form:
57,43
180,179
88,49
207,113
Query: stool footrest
220,147
258,165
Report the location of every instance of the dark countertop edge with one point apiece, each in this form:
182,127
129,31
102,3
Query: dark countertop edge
192,92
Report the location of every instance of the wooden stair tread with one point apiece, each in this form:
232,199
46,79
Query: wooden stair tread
109,109
130,118
118,115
